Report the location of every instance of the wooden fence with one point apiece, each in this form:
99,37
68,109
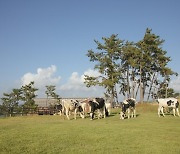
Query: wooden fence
31,111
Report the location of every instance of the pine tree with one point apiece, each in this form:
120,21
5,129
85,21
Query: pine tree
50,92
11,102
106,64
153,60
28,97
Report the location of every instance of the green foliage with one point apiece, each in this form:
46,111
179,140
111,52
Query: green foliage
10,102
132,65
50,92
169,92
28,96
106,64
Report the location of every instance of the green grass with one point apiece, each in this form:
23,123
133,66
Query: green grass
145,134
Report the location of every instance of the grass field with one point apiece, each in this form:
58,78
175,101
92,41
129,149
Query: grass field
145,134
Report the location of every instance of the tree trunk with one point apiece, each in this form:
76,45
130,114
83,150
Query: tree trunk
152,81
166,90
137,90
115,94
112,98
133,86
128,86
141,88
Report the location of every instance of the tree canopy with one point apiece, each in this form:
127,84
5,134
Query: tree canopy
133,66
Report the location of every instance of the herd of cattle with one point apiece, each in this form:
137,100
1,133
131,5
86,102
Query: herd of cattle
102,108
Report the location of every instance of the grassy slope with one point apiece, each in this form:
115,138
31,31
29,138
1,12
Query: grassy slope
54,134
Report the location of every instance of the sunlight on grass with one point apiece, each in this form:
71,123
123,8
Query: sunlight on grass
55,134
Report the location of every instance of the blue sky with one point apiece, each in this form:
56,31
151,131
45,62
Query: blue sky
47,40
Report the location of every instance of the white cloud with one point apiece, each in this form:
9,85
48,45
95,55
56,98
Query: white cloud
43,77
175,84
91,72
76,87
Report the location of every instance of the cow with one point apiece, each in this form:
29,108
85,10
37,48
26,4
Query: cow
85,107
58,109
71,106
129,106
170,103
99,105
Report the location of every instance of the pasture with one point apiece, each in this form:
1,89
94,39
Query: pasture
47,134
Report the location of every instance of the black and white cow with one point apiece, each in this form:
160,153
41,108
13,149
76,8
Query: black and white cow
170,103
99,105
71,106
58,109
84,107
129,106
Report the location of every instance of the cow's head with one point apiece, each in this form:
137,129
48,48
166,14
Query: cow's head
125,107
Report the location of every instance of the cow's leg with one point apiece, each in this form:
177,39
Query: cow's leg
100,114
63,109
174,112
67,114
109,111
177,110
128,111
104,112
60,112
159,110
91,116
134,110
162,111
122,115
75,112
132,113
82,114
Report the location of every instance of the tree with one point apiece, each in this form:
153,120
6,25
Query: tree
166,92
50,92
106,64
133,66
28,97
11,102
153,61
129,62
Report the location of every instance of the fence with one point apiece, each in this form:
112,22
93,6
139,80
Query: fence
29,111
